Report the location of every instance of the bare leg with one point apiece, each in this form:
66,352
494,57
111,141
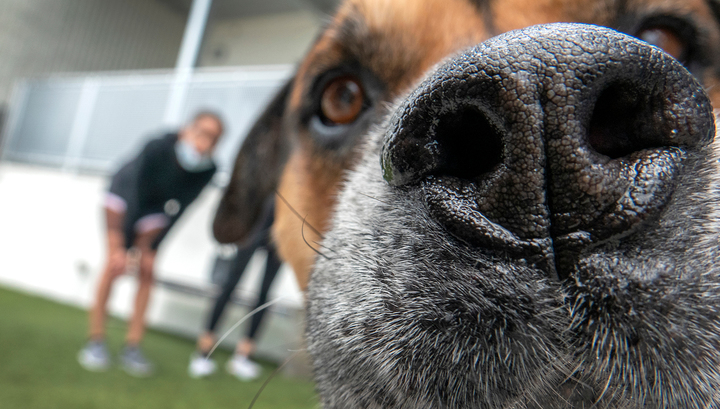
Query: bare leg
245,347
205,342
136,328
114,267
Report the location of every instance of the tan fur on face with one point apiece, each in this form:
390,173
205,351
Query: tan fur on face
423,31
416,34
398,41
311,191
514,14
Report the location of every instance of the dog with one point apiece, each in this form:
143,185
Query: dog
500,203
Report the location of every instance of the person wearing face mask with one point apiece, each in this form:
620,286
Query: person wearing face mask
146,197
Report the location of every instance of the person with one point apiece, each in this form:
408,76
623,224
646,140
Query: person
146,197
240,365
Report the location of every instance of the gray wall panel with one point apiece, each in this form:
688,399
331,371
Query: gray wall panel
95,123
45,126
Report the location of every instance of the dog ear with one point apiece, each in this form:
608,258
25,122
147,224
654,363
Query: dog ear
256,173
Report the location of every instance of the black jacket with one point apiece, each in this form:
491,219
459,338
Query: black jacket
154,182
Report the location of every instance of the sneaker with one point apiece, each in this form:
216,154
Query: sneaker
133,362
243,368
94,357
201,366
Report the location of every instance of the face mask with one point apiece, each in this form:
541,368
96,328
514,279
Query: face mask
190,159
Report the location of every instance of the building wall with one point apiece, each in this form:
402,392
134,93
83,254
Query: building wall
43,36
65,261
269,39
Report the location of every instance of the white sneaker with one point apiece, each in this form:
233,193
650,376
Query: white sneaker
94,357
243,368
201,366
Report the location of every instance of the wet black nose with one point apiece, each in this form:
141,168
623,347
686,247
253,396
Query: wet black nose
541,141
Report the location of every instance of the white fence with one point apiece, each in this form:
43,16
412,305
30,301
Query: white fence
64,135
91,122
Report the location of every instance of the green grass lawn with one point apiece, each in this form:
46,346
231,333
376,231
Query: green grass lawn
39,341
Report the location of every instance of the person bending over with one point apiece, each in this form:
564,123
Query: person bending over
146,197
240,364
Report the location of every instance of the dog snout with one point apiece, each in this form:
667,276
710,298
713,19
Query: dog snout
540,142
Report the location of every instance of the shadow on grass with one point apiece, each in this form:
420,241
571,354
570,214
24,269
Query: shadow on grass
39,341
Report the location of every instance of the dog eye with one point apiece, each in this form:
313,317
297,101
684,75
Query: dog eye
667,39
342,100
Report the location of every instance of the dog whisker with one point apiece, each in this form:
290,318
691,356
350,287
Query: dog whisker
272,375
374,198
243,319
295,212
319,243
302,232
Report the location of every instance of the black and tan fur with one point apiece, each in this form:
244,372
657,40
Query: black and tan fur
391,277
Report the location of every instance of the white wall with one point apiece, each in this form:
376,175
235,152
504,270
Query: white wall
41,36
52,245
269,39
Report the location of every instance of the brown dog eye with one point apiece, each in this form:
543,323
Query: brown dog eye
342,100
666,39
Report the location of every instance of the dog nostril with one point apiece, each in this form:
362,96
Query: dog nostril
619,113
465,143
469,144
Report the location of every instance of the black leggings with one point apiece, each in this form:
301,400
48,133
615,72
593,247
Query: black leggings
243,256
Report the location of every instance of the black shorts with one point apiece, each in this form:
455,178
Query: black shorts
119,198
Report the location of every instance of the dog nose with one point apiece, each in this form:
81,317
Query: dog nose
540,142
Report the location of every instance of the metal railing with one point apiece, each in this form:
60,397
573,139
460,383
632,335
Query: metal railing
91,122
